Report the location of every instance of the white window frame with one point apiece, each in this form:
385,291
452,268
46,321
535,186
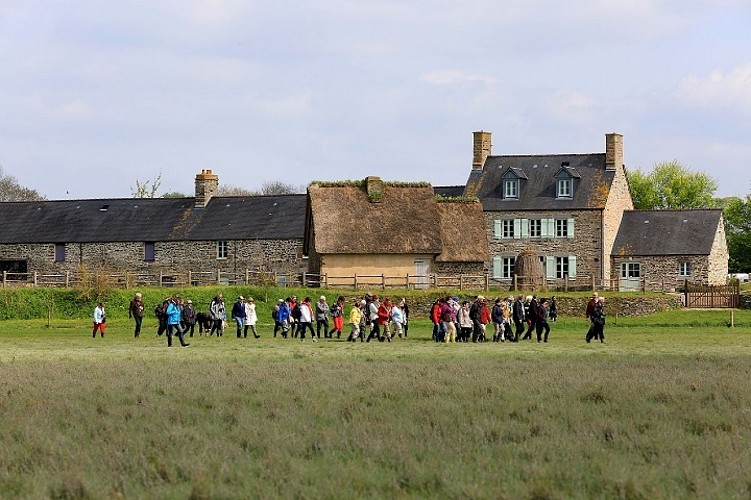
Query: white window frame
222,249
565,188
507,229
630,270
511,189
684,269
503,267
561,228
535,228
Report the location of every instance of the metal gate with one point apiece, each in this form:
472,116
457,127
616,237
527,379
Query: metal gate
712,296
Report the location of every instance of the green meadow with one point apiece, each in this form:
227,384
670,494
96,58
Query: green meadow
662,410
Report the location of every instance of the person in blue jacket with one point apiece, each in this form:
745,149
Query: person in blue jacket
283,316
174,314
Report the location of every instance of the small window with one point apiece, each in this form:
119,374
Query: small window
508,228
503,267
684,270
511,188
148,252
222,249
59,252
630,270
535,228
565,186
561,228
561,267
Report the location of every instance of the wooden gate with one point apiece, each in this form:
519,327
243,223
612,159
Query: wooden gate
712,296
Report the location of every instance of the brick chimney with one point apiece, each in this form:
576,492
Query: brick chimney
481,148
613,151
207,185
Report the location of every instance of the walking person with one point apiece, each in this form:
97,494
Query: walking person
355,319
405,309
553,309
518,316
306,320
337,316
251,318
541,322
531,314
189,318
238,314
384,319
283,317
174,315
100,320
217,314
448,317
597,317
322,317
397,318
275,316
160,311
589,311
465,322
372,312
497,316
135,312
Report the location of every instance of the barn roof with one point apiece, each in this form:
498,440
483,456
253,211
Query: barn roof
667,232
153,219
463,233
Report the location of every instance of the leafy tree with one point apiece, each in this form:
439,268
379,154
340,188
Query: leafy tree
175,194
11,190
230,190
147,189
738,227
270,188
671,185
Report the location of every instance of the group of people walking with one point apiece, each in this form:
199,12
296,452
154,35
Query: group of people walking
479,320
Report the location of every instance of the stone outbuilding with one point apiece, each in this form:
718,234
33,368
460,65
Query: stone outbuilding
659,250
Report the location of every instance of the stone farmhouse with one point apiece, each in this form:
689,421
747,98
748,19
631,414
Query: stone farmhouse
574,211
152,235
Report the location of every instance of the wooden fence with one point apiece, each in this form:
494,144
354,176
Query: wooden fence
712,296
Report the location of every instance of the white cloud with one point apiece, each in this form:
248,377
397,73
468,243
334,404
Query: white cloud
718,89
571,107
453,76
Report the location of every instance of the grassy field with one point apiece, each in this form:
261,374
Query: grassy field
662,410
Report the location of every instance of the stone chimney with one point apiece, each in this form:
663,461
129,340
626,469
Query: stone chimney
613,151
481,149
207,185
374,188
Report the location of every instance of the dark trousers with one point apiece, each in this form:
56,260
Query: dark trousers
540,326
138,321
322,323
162,327
531,326
596,332
476,330
252,329
305,326
180,334
216,326
375,330
519,329
189,328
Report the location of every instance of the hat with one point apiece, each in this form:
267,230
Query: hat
280,300
323,297
455,298
480,297
250,299
190,301
240,298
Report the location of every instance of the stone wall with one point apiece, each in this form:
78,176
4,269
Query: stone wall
284,256
457,268
660,273
586,244
619,200
717,273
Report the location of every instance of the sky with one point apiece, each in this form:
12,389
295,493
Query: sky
98,95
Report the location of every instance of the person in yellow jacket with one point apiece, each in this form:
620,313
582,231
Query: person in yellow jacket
355,317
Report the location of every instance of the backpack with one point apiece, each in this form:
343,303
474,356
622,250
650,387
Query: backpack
275,313
296,313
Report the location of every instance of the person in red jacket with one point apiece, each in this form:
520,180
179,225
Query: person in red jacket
384,319
484,316
435,317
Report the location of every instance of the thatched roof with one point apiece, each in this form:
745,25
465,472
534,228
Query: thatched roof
344,220
462,232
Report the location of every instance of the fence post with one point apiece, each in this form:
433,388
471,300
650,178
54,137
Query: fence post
36,278
355,283
461,282
325,283
487,282
247,276
383,281
5,278
406,285
67,279
304,279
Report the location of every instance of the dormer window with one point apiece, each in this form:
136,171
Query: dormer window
511,183
564,181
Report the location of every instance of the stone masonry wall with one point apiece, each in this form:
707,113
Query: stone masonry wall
661,273
619,199
586,244
273,255
717,273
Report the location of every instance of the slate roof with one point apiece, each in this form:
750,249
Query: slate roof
538,184
153,219
667,232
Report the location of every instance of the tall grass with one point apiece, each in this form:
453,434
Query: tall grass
656,412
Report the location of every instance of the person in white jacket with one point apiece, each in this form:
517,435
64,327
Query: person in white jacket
100,317
251,318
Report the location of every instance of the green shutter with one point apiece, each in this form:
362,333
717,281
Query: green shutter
550,267
496,267
525,228
497,229
572,266
517,229
571,228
